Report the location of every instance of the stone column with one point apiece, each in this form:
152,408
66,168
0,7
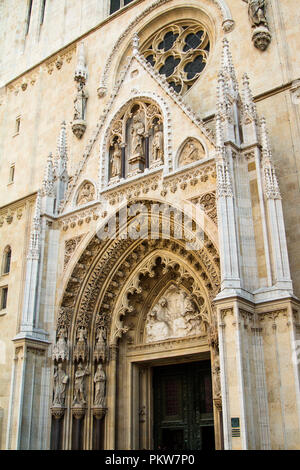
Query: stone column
112,398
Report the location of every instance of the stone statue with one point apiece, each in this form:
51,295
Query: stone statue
80,349
137,133
257,12
100,381
100,347
60,349
60,383
157,144
216,377
116,160
80,104
79,394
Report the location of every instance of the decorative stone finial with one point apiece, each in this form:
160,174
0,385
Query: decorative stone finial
34,245
249,107
80,74
48,181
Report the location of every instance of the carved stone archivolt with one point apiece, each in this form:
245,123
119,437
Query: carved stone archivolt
191,151
70,248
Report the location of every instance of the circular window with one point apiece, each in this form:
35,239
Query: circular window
179,52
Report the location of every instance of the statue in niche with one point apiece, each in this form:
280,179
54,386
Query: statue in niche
80,349
60,383
257,12
175,315
86,194
79,393
100,381
100,347
191,152
115,160
157,144
60,349
137,134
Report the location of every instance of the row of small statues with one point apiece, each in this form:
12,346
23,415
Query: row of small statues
61,350
60,384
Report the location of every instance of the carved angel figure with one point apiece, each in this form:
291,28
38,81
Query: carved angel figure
257,12
60,383
100,381
79,393
80,349
116,160
157,144
137,133
100,347
60,349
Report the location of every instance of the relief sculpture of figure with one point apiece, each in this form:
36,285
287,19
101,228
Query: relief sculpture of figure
116,160
157,144
79,396
86,194
60,383
137,132
257,12
100,381
190,154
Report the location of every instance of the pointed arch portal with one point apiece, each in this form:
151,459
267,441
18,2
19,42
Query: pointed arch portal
132,306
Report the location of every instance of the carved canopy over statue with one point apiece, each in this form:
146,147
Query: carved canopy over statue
175,315
136,140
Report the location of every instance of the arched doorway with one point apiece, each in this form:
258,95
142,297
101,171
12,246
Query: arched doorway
142,305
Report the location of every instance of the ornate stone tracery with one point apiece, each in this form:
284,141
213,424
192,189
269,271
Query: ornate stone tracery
179,52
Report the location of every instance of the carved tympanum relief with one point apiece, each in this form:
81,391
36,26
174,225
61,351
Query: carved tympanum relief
178,51
175,315
86,193
191,152
136,140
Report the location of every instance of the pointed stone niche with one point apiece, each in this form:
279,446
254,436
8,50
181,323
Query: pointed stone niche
174,315
191,151
136,140
86,193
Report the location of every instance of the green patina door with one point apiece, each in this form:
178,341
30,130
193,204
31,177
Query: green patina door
183,407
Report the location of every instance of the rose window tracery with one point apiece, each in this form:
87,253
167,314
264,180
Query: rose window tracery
179,52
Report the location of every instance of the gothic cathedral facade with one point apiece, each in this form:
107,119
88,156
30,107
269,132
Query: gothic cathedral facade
149,224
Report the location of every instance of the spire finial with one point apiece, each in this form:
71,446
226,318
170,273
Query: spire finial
62,143
248,102
80,74
48,181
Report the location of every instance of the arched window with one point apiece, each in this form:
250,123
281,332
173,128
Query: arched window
6,260
117,4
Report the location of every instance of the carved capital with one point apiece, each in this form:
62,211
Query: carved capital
99,412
